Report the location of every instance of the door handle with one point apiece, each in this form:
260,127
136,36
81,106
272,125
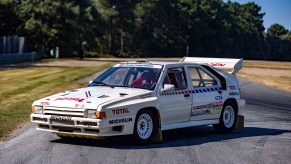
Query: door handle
186,95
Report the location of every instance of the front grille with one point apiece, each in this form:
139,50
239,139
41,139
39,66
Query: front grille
64,111
64,122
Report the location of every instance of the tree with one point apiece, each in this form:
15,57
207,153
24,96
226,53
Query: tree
276,30
9,21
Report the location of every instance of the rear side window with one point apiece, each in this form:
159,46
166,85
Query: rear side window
176,76
200,78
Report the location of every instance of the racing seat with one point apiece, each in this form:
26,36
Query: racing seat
145,78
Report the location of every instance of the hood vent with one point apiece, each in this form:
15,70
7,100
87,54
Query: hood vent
123,94
103,96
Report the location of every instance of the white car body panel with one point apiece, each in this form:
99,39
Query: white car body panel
70,113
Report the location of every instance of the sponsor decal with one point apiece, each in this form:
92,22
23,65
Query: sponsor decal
146,95
121,120
120,111
216,108
194,91
232,87
215,64
73,90
88,94
135,65
67,118
65,94
70,99
45,103
233,93
218,97
201,112
79,105
89,124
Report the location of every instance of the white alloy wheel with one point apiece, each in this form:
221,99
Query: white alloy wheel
144,126
228,116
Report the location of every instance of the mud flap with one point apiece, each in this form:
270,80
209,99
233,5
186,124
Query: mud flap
158,137
239,122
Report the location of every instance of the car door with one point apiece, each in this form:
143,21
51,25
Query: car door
208,96
175,105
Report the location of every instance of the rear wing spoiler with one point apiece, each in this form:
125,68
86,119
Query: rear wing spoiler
221,63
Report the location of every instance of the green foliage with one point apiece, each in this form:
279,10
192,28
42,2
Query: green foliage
276,30
147,28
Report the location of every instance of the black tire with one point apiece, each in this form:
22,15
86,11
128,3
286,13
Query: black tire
145,127
227,118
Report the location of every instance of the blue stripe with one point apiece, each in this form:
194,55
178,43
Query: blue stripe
89,93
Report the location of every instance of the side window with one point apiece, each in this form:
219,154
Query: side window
176,76
200,78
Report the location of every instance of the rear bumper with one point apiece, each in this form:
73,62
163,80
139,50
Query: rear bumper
83,127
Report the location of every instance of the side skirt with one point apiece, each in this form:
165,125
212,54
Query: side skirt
189,124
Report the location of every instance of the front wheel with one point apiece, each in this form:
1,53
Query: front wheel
227,118
145,127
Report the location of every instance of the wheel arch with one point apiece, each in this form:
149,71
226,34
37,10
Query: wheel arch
233,100
156,114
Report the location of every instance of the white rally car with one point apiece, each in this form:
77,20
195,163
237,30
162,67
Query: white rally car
145,98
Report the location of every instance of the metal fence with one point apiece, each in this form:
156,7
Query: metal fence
12,45
12,50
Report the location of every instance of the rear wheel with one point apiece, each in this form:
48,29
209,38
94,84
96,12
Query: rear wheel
227,118
145,127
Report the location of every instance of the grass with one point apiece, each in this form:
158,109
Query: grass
20,87
267,64
270,73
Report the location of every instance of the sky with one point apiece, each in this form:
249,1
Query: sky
276,11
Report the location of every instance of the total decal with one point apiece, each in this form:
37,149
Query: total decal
120,111
212,108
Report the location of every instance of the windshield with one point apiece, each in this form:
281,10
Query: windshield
133,77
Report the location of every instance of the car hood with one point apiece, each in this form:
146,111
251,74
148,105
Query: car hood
89,97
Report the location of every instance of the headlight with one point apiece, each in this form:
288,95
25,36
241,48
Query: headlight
36,109
95,114
91,113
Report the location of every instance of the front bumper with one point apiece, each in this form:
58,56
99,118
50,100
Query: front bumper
82,127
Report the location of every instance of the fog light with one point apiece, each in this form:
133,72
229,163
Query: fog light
100,115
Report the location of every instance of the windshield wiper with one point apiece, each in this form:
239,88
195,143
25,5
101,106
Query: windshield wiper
100,82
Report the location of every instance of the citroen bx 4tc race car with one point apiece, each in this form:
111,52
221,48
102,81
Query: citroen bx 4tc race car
145,98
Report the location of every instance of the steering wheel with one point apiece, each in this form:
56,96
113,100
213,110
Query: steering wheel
145,85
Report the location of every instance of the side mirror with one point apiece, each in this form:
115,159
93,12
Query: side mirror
168,87
90,81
